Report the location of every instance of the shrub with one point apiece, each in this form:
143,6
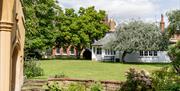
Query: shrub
166,79
137,81
76,87
97,86
53,87
32,69
60,75
174,53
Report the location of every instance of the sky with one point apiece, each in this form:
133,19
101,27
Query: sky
125,10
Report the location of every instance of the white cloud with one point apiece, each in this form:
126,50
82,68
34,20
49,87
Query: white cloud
121,8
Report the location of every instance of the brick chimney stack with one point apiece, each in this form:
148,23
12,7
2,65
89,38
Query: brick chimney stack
162,23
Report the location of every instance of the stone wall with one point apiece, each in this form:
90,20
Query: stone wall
108,85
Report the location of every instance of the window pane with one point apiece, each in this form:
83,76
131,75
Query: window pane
99,51
145,53
57,50
141,53
106,51
111,52
150,53
94,49
72,50
64,51
155,53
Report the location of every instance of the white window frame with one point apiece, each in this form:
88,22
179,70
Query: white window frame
72,51
110,52
99,51
58,50
148,53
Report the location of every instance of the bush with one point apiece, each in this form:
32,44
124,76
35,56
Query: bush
137,81
166,79
76,87
174,53
32,69
53,87
97,86
60,75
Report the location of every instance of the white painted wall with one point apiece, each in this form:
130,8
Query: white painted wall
162,57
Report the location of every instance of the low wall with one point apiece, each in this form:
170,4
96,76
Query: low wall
108,85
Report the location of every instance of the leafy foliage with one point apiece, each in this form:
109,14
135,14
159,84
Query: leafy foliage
32,69
40,24
166,79
174,53
47,25
137,81
53,87
60,75
82,28
76,87
174,19
97,86
137,35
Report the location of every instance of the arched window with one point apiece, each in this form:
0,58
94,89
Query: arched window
72,50
58,50
64,50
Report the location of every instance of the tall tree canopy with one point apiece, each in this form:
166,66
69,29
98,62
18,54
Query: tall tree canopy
174,49
174,21
41,16
136,36
81,28
47,25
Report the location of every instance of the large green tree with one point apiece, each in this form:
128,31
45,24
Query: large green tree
174,21
136,36
81,28
174,27
174,53
47,25
41,18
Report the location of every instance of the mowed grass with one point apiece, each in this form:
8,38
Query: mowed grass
83,69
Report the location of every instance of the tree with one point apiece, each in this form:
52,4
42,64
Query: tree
137,36
174,49
41,16
82,28
174,21
174,53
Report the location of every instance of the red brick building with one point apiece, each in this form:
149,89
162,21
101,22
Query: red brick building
71,51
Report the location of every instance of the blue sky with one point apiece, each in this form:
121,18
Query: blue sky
124,10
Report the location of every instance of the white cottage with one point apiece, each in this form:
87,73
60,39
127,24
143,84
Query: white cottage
101,54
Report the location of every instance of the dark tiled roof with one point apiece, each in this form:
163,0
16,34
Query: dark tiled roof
107,38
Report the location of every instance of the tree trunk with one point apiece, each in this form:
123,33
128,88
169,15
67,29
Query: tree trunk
124,55
78,56
79,49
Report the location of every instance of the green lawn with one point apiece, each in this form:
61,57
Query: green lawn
84,69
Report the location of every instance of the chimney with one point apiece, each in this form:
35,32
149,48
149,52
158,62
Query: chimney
112,25
162,24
